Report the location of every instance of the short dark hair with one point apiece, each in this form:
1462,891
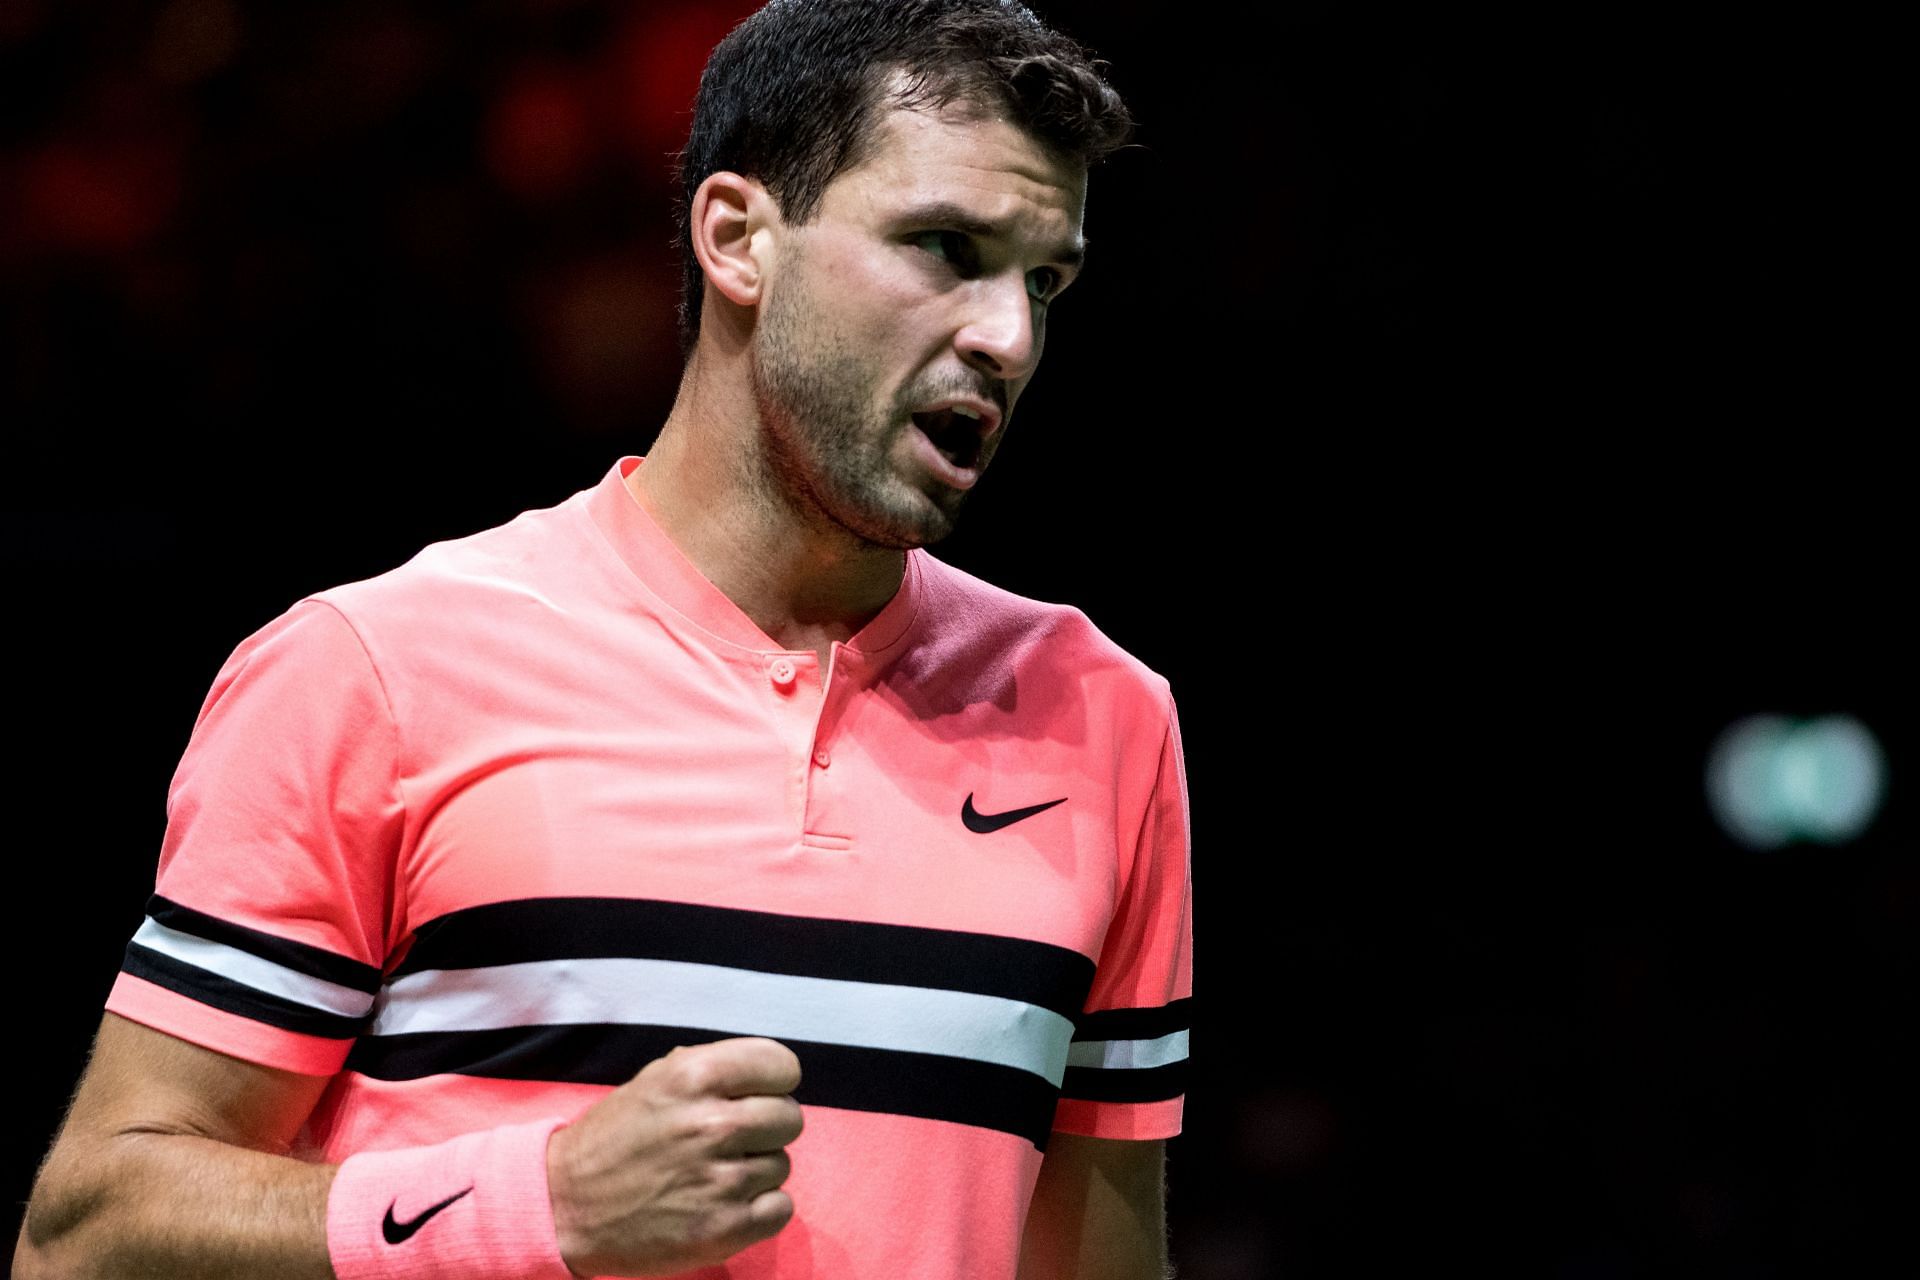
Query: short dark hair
792,96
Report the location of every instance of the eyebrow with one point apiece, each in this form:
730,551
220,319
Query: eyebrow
943,213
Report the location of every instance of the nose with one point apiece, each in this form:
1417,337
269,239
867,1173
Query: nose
1002,335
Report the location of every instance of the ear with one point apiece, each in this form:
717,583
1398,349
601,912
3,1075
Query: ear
730,223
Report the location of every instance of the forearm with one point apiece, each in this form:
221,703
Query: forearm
172,1164
1053,1250
175,1204
1098,1212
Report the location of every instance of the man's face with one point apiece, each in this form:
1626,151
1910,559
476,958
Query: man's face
899,326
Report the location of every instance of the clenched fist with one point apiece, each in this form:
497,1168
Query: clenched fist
681,1166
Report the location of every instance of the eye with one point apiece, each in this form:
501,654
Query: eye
1042,284
955,248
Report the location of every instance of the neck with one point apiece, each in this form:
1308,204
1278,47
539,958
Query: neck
705,482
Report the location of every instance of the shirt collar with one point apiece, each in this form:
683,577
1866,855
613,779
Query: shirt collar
664,570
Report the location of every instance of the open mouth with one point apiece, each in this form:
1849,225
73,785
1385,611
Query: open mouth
955,433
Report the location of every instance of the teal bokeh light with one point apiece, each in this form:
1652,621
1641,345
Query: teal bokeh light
1772,780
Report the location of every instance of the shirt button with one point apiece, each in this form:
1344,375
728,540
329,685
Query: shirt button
821,758
781,669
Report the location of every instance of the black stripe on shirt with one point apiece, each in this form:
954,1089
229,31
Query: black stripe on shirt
1125,1084
932,1086
1036,973
1135,1024
300,957
223,993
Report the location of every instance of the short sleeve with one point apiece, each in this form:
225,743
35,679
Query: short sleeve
1127,1066
267,929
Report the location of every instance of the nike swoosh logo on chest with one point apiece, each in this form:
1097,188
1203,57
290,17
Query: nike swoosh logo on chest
987,823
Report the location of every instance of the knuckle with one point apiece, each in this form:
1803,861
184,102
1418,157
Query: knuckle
768,1172
717,1127
681,1070
717,1226
731,1180
698,1073
771,1212
664,1068
708,1125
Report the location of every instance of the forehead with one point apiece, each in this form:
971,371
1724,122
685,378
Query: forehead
966,155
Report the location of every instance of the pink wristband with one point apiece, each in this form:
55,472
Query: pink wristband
472,1208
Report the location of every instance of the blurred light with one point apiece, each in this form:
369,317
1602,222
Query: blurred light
1771,780
19,18
657,64
540,133
192,39
100,197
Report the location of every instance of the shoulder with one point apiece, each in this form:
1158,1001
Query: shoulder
528,562
505,590
969,624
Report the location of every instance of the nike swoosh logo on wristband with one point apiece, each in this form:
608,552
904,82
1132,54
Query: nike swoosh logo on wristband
397,1232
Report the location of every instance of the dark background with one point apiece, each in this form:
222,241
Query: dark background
1470,418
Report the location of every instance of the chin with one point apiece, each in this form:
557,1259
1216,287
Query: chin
906,518
903,534
896,538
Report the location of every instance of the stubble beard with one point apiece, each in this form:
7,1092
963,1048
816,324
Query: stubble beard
823,454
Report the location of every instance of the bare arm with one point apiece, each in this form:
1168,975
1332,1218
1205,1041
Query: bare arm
173,1161
1098,1213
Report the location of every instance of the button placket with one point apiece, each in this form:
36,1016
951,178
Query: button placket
827,814
794,690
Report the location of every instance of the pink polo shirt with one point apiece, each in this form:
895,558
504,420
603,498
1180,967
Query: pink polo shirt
483,835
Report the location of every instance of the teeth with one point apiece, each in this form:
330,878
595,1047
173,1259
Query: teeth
965,412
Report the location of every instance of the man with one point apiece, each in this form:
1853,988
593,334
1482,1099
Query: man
696,873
